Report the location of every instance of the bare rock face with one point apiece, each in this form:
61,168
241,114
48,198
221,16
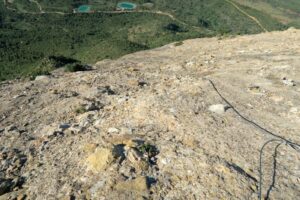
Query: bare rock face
155,125
99,160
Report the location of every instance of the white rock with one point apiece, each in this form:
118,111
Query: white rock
47,131
84,123
125,130
294,110
43,77
98,122
218,108
18,96
91,106
76,128
113,130
288,82
190,64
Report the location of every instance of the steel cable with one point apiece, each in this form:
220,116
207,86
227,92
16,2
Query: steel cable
279,138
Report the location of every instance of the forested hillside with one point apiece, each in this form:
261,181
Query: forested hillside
32,32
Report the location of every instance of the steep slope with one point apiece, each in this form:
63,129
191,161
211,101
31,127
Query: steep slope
151,124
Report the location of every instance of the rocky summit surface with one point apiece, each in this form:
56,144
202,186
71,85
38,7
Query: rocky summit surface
152,125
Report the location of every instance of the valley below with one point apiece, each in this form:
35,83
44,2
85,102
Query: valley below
33,32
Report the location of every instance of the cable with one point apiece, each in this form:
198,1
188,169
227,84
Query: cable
292,144
279,138
260,165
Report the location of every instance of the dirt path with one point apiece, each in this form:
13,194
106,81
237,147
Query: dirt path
145,11
250,16
106,12
5,5
153,12
38,5
172,17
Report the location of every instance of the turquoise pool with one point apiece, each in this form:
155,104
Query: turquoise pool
84,8
126,6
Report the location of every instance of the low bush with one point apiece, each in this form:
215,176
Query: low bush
75,67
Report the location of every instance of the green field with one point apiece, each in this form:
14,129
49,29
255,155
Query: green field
33,32
284,11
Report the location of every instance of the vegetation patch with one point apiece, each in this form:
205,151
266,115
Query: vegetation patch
29,38
148,149
173,28
178,44
80,110
75,67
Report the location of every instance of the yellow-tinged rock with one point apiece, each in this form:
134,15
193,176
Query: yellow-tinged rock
89,148
132,69
190,142
127,140
100,159
138,185
130,143
222,169
253,187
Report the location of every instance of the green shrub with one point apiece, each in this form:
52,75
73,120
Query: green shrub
40,70
148,149
178,44
75,67
80,110
60,61
173,27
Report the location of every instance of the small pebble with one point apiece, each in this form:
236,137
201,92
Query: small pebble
113,130
218,108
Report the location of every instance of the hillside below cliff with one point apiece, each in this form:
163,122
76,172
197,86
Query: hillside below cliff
190,120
